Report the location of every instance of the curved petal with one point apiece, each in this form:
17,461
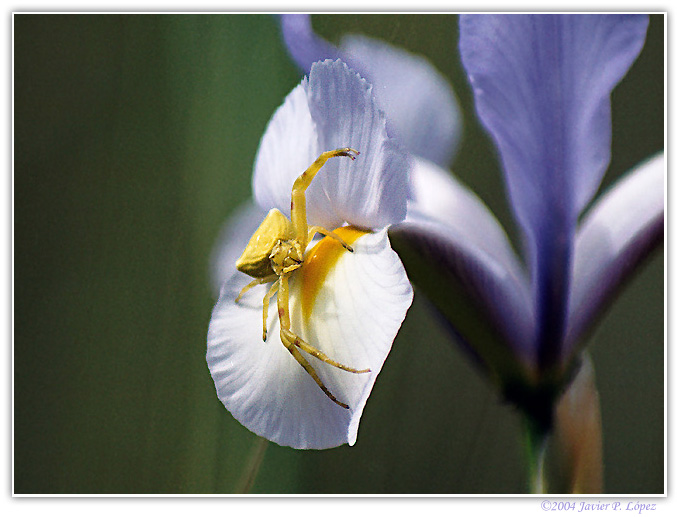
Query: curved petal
468,258
355,316
231,242
333,108
542,86
288,146
620,230
372,192
304,46
439,195
419,103
420,106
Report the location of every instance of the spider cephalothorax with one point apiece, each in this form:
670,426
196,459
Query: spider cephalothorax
276,250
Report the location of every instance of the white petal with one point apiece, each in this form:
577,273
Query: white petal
231,242
355,317
421,107
372,192
288,147
620,229
333,109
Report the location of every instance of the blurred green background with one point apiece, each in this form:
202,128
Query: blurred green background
134,139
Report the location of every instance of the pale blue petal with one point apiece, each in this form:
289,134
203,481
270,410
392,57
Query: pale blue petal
372,191
622,228
542,86
304,46
333,108
288,146
458,236
420,106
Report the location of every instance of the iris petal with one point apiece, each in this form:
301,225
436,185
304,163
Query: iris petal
461,240
621,229
372,191
284,154
333,108
304,46
420,105
542,86
231,242
356,315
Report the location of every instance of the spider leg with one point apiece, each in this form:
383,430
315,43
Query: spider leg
311,371
327,233
290,340
254,283
298,193
297,341
266,302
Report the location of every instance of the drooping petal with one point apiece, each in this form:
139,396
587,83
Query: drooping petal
304,46
420,105
542,86
356,312
622,228
231,242
437,194
333,108
470,264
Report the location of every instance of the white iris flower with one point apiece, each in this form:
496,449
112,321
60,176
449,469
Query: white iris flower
348,305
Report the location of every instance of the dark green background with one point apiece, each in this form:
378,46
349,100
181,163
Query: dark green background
135,137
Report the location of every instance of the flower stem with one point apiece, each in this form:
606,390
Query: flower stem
251,470
536,445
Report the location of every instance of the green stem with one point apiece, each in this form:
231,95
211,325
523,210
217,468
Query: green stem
536,444
251,470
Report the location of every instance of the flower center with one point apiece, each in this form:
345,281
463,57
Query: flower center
319,262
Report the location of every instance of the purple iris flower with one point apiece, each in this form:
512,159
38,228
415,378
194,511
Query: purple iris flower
542,86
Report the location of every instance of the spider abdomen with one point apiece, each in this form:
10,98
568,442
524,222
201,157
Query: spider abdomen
255,261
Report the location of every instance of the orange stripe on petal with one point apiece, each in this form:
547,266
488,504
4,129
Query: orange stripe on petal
320,261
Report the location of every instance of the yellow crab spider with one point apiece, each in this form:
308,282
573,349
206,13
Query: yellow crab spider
276,250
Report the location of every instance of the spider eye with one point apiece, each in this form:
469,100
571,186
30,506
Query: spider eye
286,256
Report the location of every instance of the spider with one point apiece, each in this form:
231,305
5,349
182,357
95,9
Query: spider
276,250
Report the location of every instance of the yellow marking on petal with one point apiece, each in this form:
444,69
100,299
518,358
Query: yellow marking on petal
320,261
